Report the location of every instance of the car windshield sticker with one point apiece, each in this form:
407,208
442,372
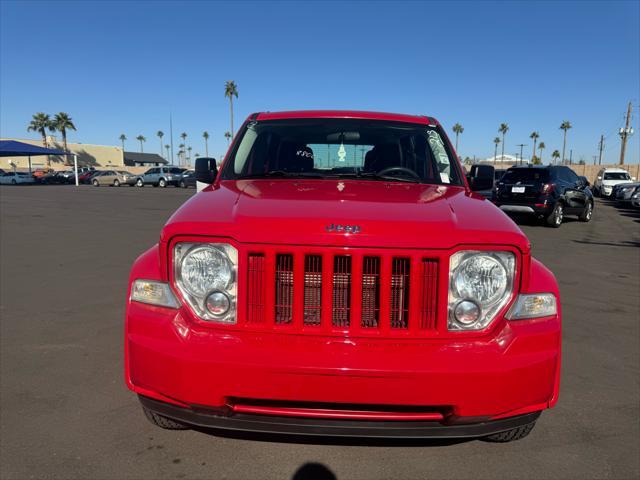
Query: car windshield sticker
444,176
342,153
435,142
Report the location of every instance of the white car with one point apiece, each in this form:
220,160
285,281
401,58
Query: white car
607,178
15,178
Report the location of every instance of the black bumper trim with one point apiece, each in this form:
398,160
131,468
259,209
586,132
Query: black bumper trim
333,428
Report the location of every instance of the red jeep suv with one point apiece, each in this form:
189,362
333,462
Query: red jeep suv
338,276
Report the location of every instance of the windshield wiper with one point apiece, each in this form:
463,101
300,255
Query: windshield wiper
281,173
361,174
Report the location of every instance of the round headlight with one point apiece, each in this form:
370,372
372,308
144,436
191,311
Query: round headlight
480,277
204,269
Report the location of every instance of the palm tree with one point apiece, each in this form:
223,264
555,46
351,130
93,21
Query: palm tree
534,136
141,139
160,134
183,136
541,146
555,155
495,151
504,128
564,126
122,138
205,135
181,151
231,90
457,129
189,150
167,147
227,135
62,122
40,123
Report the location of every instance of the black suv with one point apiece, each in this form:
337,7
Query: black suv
548,192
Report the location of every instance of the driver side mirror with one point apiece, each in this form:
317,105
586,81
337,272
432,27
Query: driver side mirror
481,177
206,170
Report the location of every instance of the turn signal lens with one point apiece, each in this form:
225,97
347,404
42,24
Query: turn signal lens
153,293
533,306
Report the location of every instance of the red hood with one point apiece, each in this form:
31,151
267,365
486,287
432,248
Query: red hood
399,215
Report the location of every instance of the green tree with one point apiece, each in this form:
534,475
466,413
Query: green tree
503,129
555,155
457,129
205,135
62,122
181,152
141,139
564,126
227,135
167,147
496,141
160,134
40,122
122,138
534,136
189,150
541,146
230,91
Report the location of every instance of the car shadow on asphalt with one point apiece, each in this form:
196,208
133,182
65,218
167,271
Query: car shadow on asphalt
331,441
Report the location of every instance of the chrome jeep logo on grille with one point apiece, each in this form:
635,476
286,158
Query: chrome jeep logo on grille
335,227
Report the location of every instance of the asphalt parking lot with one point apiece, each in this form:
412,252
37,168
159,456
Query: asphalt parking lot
66,413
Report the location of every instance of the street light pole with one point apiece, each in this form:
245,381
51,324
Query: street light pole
521,145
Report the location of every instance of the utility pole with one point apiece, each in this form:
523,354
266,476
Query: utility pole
521,145
601,147
595,157
625,133
570,156
171,133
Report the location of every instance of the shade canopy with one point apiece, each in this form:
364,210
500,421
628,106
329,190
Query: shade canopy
11,148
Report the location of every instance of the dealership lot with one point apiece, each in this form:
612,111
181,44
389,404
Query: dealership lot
65,412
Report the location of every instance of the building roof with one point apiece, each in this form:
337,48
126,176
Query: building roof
395,117
137,157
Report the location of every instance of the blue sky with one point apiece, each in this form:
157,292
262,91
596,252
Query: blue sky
121,67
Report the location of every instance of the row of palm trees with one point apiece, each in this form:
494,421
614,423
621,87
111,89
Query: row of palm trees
60,122
504,128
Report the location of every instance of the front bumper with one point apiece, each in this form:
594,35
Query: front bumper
265,424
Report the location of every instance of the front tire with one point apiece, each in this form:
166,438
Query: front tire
116,183
162,183
163,422
183,184
139,183
511,435
96,183
587,213
556,216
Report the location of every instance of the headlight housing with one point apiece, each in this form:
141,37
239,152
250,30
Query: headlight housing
206,276
480,285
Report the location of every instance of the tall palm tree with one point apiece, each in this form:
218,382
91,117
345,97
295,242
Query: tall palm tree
141,139
457,129
180,152
504,128
555,155
183,136
534,136
230,91
62,122
40,122
541,146
160,134
189,150
167,147
564,126
227,135
205,135
496,141
122,138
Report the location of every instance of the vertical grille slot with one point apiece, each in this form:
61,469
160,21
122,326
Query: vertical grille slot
370,292
284,289
341,290
400,292
255,289
429,293
312,289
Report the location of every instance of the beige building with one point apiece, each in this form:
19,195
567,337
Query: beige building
99,156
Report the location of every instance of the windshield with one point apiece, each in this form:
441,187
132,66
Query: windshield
525,175
617,176
342,148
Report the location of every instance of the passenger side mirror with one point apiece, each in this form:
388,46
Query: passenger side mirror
206,170
584,181
481,177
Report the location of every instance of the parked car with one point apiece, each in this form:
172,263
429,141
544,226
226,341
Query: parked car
549,192
607,178
382,299
52,177
112,178
635,198
16,178
188,179
622,192
161,177
86,176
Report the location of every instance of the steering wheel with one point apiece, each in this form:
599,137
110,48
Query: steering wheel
408,171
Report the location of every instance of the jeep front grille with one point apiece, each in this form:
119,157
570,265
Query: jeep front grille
336,292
